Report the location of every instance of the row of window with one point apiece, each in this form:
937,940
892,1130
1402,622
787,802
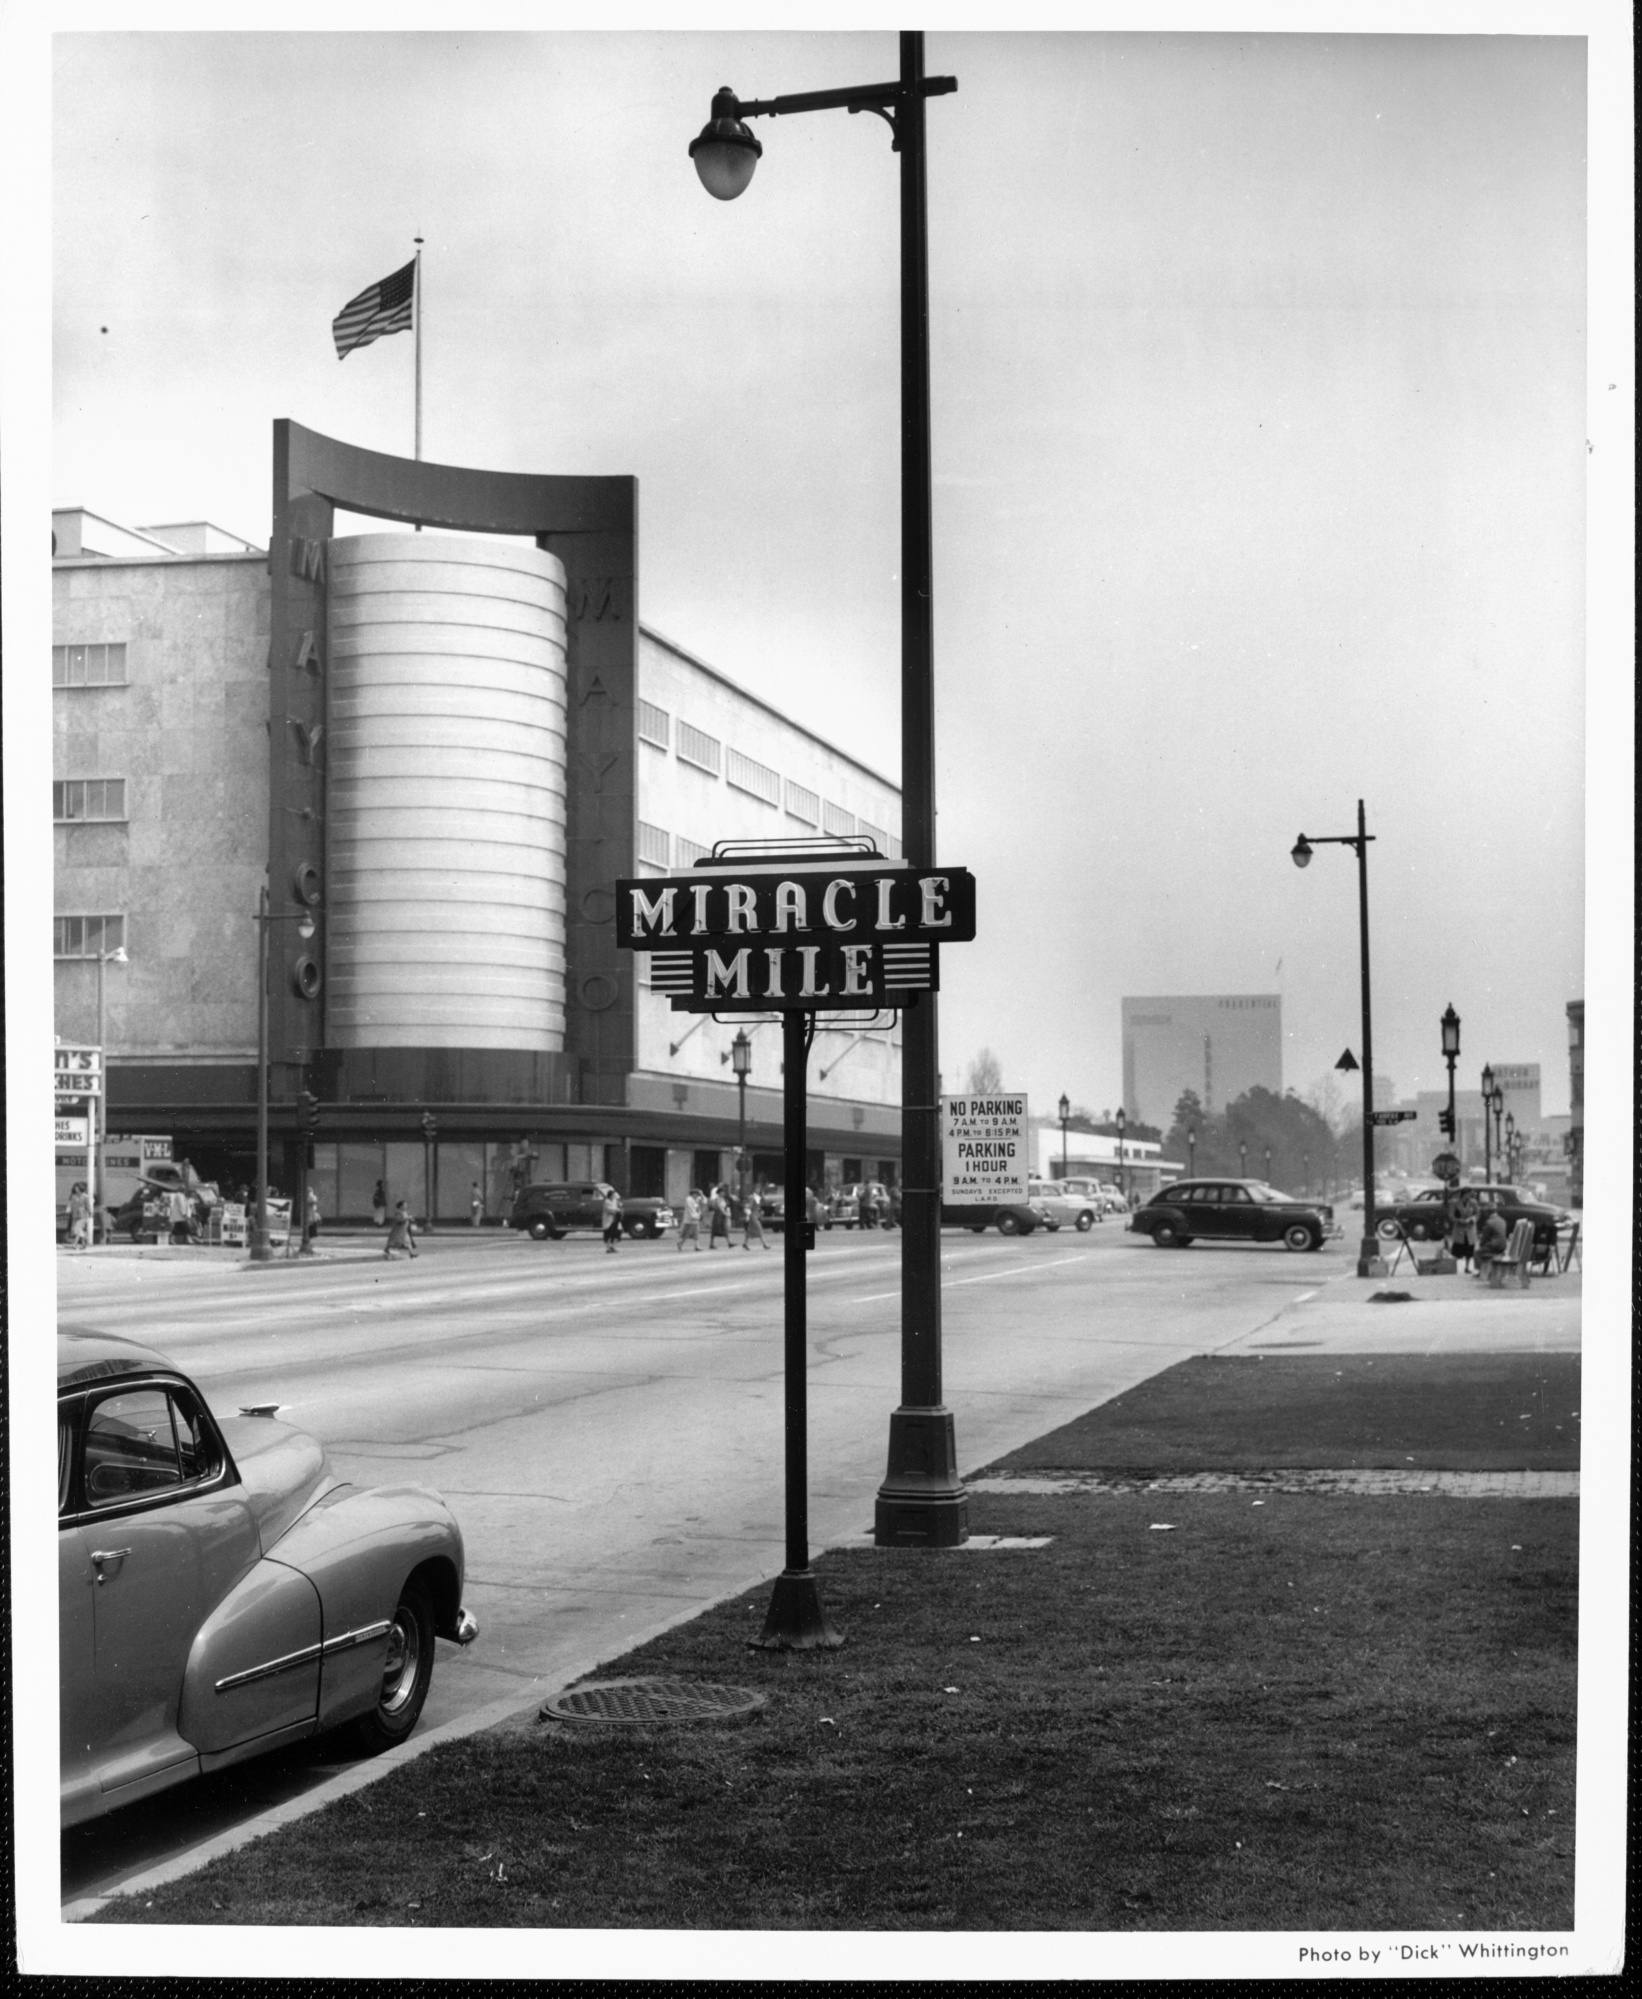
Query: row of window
77,798
706,753
658,847
88,666
86,936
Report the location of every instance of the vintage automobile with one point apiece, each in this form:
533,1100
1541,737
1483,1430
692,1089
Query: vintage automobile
1064,1207
847,1205
547,1210
1424,1217
1222,1210
1007,1217
220,1590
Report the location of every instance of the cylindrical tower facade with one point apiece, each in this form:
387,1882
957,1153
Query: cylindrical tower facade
445,807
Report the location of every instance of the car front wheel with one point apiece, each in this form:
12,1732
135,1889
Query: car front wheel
539,1230
1167,1236
1086,1221
1298,1236
407,1673
1009,1225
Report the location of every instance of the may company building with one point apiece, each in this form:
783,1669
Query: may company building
442,749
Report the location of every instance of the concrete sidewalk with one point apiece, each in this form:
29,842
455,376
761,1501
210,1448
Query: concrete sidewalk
1415,1314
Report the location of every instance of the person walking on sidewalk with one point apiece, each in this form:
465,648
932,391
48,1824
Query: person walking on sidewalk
1462,1227
311,1220
379,1204
401,1232
753,1228
718,1210
476,1206
79,1216
689,1228
610,1214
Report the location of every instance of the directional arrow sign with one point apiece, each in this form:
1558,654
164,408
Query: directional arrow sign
1391,1117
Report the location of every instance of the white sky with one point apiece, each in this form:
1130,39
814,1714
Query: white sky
1259,433
1271,385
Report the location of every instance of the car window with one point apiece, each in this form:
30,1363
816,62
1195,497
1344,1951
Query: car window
1238,1194
142,1442
65,1459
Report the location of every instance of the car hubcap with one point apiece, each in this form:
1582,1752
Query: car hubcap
399,1674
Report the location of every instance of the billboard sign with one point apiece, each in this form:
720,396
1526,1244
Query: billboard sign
78,1070
985,1149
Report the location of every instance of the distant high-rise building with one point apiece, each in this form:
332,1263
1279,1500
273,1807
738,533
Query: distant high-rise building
1216,1045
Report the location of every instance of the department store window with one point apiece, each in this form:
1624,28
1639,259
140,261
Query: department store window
747,775
655,725
653,844
78,798
803,803
86,936
88,666
835,819
696,747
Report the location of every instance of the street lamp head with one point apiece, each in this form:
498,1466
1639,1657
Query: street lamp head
1450,1031
1488,1081
741,1053
1122,1122
1300,852
724,151
1065,1110
116,956
305,927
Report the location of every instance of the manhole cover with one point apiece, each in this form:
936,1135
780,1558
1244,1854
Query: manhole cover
651,1701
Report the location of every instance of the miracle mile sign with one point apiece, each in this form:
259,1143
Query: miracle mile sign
817,926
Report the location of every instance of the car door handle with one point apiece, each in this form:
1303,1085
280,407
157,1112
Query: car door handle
101,1557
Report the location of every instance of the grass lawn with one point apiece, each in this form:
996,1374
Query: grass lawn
1349,1412
1289,1712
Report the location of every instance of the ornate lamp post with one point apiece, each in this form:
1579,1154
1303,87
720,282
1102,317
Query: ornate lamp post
1487,1113
260,1251
1065,1115
1496,1103
1243,1158
1122,1123
1306,1156
1510,1145
1451,1054
1368,1257
921,1501
1191,1152
1268,1165
741,1061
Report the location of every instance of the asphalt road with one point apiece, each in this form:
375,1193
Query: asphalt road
608,1429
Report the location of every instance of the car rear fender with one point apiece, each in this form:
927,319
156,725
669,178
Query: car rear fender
255,1662
359,1546
284,1472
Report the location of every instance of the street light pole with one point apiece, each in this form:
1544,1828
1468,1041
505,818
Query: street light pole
1065,1115
1487,1113
741,1060
1191,1152
921,1502
1122,1125
99,1103
1369,1263
1451,1054
260,1249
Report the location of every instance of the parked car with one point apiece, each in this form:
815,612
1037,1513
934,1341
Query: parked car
550,1209
1222,1210
1423,1217
848,1204
220,1590
1065,1208
1007,1217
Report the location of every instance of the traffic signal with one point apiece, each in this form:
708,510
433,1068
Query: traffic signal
310,1121
1445,1122
430,1126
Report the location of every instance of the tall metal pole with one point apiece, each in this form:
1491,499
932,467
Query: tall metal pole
99,1115
1368,1254
259,1226
921,1502
796,1621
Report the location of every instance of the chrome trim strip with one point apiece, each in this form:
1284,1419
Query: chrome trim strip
344,1641
282,1665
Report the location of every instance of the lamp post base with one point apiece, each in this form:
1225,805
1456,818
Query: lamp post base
922,1502
1370,1263
797,1620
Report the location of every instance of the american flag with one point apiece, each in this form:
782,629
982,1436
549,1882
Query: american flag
384,307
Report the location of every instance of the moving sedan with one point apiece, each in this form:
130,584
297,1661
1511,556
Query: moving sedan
1424,1218
220,1591
1232,1211
1065,1207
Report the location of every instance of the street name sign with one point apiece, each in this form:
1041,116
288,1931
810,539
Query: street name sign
1391,1117
985,1149
773,934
